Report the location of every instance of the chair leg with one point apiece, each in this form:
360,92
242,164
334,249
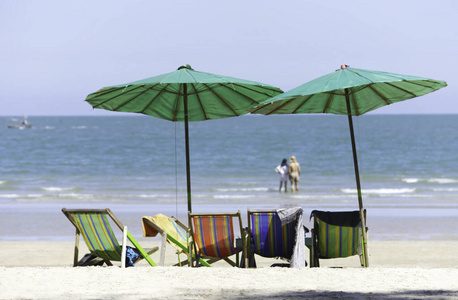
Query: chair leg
197,262
164,242
124,247
314,262
248,250
76,250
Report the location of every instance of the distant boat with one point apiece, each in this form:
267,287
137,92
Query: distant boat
23,123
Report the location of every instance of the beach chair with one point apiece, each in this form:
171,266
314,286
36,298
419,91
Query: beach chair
269,237
336,234
174,232
213,237
94,226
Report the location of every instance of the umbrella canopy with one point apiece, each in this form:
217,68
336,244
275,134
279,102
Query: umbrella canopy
367,90
350,92
184,95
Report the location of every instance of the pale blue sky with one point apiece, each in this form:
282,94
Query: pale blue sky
55,53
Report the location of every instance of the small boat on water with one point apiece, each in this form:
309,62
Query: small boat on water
22,124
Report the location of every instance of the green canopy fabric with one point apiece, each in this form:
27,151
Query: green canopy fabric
209,96
352,92
368,90
184,95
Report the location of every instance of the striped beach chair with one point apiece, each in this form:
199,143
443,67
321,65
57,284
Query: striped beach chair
269,237
213,236
94,226
173,231
336,234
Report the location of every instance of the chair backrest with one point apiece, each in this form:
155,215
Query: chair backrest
181,232
95,228
270,237
175,234
214,234
338,233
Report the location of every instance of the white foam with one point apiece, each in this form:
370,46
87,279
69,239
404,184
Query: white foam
10,196
442,180
72,195
380,191
411,180
233,196
261,189
445,189
56,189
151,196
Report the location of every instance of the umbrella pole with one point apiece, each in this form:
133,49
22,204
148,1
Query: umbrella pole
358,183
186,134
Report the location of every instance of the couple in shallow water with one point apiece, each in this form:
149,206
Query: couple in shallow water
291,171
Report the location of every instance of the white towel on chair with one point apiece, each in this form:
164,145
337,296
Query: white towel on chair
288,215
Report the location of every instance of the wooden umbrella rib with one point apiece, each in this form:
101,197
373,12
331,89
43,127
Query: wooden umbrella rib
114,97
277,108
105,91
220,99
425,86
130,100
155,97
227,86
200,103
387,101
399,88
328,102
302,104
177,102
353,102
248,87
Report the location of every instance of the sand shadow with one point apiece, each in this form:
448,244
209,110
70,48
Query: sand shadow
415,294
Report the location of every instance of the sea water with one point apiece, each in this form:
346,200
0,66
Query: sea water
135,165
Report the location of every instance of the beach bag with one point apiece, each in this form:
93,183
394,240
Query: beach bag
89,259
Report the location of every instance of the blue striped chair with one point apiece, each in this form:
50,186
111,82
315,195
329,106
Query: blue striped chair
100,239
269,238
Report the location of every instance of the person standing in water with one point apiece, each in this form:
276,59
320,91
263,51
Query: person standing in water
283,171
294,173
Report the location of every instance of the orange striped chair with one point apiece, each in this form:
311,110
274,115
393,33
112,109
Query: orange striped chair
100,239
336,234
213,235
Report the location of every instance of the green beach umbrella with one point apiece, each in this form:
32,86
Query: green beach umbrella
352,92
184,95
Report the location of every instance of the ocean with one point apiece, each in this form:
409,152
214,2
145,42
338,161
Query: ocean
135,165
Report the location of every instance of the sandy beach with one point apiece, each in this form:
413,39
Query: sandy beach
399,270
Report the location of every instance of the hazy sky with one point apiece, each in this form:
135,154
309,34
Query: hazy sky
55,53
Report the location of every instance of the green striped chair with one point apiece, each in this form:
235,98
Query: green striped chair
336,234
268,237
100,239
213,236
